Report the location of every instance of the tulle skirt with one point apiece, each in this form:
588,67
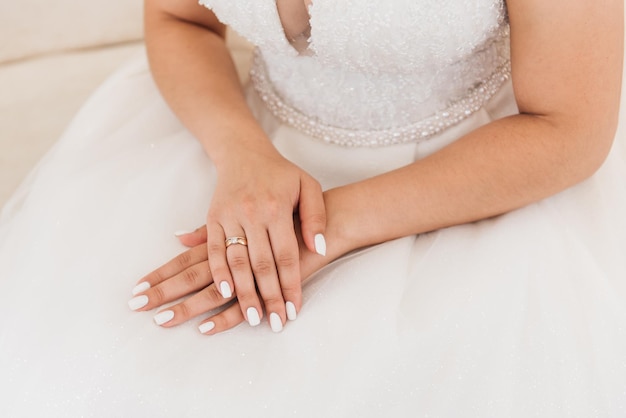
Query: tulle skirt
522,315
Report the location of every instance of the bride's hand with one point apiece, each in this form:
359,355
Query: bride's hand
188,273
255,199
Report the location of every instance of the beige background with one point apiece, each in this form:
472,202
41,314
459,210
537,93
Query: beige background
31,27
52,55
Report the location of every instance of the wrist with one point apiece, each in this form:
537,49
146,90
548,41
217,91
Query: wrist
343,230
238,145
340,234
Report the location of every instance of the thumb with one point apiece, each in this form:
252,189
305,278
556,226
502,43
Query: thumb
194,238
312,213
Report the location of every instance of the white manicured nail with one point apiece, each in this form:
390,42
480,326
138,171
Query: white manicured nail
181,233
141,287
253,316
206,327
163,317
291,311
275,322
225,290
138,302
320,244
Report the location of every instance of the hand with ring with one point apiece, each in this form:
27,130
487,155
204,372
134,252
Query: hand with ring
187,275
251,241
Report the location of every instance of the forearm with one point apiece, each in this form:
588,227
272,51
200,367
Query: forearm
566,60
195,73
497,168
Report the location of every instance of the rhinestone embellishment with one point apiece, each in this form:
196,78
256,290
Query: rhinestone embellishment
457,111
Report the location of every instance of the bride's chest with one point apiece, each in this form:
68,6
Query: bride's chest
372,35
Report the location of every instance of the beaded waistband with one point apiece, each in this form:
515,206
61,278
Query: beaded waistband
458,110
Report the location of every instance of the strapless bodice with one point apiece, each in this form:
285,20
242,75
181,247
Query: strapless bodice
376,73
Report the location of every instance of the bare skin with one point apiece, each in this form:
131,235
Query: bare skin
257,190
566,72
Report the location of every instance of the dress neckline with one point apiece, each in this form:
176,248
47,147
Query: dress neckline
297,34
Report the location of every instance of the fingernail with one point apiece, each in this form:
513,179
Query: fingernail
320,244
141,287
206,327
275,322
291,311
225,290
181,233
253,316
138,302
163,317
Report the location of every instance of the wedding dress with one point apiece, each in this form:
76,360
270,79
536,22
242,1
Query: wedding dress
521,315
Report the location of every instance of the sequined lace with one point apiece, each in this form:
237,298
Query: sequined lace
379,73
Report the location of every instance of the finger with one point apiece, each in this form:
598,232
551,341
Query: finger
263,262
188,281
225,320
204,301
243,279
216,250
312,213
173,267
286,255
194,238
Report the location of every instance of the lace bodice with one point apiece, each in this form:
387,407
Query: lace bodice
376,73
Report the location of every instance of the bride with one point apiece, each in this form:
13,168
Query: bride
442,177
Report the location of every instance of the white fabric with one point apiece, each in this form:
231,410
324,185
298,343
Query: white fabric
431,68
29,27
521,315
39,97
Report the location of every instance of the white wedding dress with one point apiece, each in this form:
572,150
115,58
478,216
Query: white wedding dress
522,315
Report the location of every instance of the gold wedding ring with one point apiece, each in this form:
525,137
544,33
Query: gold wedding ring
236,240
